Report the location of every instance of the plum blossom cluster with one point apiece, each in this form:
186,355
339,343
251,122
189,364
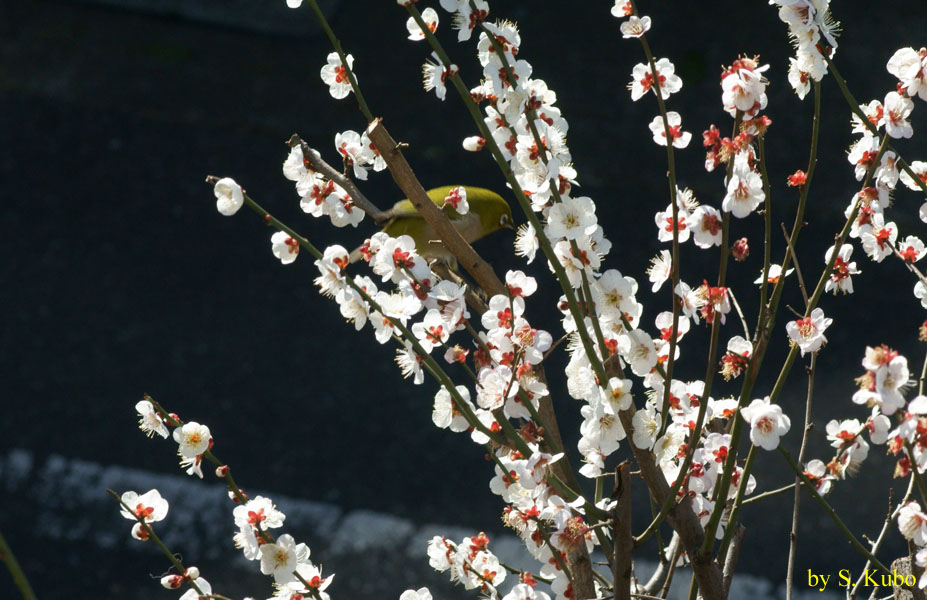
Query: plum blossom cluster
681,426
322,197
878,235
193,439
295,576
812,29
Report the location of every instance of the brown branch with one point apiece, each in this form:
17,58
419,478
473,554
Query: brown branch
681,516
316,163
624,541
402,174
730,560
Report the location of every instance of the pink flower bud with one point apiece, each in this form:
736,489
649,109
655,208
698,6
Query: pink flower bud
740,249
222,470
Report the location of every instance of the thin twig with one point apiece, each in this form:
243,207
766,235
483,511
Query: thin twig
793,535
19,576
740,313
851,595
801,281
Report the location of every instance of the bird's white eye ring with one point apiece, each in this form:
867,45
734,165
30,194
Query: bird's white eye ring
504,220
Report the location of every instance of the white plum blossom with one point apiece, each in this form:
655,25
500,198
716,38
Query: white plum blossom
660,269
840,278
642,79
284,247
897,111
150,507
419,594
430,17
767,423
445,415
572,218
878,237
637,348
912,522
919,168
808,332
229,196
744,192
335,75
646,424
192,439
622,8
705,224
910,67
149,420
775,272
681,138
259,512
744,87
635,27
281,557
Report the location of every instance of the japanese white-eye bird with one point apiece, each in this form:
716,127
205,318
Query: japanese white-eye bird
488,212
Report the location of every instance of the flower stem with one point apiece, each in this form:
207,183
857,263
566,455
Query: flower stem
19,576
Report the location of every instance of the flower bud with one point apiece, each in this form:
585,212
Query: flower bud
474,143
172,582
192,573
222,470
740,249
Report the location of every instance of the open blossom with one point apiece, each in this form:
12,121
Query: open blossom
149,420
430,17
799,80
666,225
150,507
622,8
911,249
681,138
878,237
434,77
229,196
660,269
635,27
919,168
637,348
744,87
705,224
897,111
571,218
192,438
744,192
280,558
808,332
840,278
912,522
259,512
775,272
767,423
736,358
335,75
284,247
646,424
910,67
642,79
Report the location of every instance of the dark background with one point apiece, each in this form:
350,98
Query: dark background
120,278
